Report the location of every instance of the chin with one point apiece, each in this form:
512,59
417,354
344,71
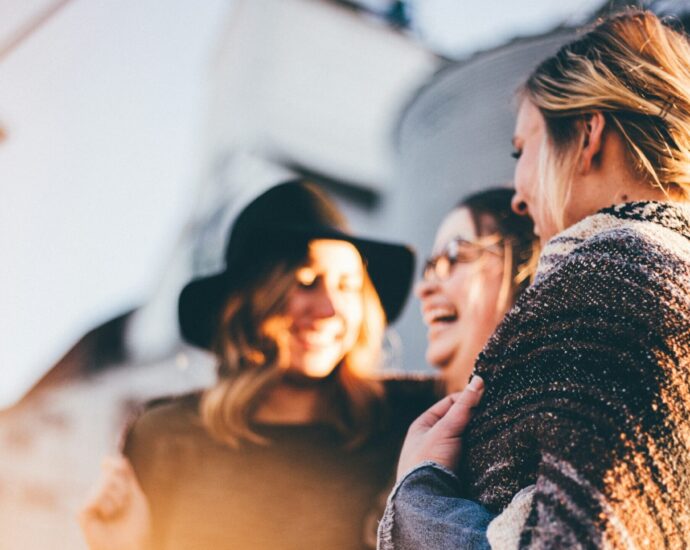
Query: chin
436,363
320,367
439,358
317,373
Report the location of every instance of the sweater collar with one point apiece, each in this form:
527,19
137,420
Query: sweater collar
673,216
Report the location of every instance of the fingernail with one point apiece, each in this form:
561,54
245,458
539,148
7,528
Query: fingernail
476,384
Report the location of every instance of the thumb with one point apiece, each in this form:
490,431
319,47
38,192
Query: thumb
454,422
434,413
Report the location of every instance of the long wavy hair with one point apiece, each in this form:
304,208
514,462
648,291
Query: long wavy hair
252,350
633,68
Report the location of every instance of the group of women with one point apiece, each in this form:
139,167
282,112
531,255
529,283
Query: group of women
566,421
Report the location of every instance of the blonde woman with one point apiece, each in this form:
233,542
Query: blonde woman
293,444
582,435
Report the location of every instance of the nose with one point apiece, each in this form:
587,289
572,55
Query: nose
425,287
323,305
518,204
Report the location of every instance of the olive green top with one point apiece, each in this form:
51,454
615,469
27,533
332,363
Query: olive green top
303,491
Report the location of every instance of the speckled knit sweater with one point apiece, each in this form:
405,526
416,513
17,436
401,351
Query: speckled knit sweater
588,388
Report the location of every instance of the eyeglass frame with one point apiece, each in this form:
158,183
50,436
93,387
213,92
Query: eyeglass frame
451,258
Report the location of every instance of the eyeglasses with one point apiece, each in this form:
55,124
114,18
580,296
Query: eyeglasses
459,251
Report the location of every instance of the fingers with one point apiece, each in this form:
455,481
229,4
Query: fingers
437,434
434,413
113,492
465,399
454,422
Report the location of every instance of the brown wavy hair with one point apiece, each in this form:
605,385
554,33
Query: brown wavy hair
251,346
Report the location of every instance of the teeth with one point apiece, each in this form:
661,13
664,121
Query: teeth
318,338
440,314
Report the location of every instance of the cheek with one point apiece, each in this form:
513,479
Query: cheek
294,307
456,290
475,294
356,319
526,176
352,312
461,285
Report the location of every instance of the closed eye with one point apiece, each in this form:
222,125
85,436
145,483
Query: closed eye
306,278
351,284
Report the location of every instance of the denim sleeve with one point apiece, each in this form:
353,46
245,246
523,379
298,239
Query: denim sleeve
424,511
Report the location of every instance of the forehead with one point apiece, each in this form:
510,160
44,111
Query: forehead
529,120
334,255
456,224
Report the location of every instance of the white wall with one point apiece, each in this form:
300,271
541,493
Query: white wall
103,107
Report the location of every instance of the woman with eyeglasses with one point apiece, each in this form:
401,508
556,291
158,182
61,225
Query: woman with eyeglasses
577,434
483,257
294,443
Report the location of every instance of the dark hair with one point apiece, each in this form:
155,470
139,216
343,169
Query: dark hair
492,214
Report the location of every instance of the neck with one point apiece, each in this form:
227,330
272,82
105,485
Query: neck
639,191
595,193
290,403
610,180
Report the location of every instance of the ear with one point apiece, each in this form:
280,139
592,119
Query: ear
593,140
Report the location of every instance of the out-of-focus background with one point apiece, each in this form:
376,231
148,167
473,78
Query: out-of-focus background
131,133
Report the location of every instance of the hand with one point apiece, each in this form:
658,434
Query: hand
437,434
116,516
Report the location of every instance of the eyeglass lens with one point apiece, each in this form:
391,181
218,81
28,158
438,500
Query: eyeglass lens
456,251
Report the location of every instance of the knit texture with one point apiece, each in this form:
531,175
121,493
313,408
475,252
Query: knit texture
588,388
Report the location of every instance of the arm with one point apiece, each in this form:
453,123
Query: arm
424,509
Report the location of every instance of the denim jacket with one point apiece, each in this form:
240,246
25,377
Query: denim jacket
423,512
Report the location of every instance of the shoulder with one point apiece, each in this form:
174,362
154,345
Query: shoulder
164,438
613,285
649,239
163,418
409,385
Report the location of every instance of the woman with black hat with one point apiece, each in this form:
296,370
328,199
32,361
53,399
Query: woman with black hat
294,443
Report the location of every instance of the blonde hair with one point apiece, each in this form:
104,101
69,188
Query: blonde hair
634,69
251,346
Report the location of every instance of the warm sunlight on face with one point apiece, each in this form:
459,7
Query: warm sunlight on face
530,130
460,310
325,308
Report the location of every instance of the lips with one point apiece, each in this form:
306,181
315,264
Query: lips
440,315
317,339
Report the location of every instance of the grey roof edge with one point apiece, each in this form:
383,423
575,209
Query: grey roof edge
455,64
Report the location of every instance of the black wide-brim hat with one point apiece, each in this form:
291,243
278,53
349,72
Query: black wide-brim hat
278,225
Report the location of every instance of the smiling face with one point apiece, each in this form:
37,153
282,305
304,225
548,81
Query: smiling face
530,133
324,309
460,311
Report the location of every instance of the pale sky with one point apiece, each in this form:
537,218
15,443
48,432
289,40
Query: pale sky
460,28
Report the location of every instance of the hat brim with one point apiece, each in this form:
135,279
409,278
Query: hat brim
390,267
